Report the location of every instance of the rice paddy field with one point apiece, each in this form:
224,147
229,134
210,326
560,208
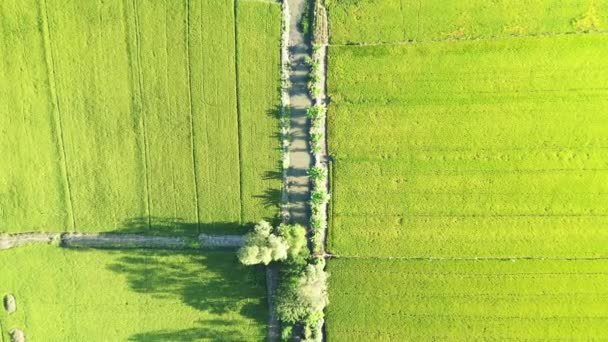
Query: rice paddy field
471,134
129,110
137,116
487,149
421,300
94,295
390,21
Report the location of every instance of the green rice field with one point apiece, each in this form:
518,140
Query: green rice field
128,110
467,300
470,149
88,295
137,116
469,172
389,21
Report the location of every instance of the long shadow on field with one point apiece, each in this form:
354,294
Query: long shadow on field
201,332
230,297
270,197
159,226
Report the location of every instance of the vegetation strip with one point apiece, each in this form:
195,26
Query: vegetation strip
285,108
319,174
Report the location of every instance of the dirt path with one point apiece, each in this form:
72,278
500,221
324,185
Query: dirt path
78,240
12,241
300,158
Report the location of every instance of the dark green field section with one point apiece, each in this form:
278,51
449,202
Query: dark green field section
470,149
135,111
134,295
387,21
467,300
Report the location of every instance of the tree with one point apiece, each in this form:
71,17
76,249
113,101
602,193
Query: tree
262,246
295,235
303,295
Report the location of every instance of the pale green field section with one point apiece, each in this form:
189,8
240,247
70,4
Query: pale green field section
388,21
29,128
94,295
467,300
129,111
471,149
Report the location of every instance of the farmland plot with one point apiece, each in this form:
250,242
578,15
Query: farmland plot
467,300
258,62
378,21
129,110
93,295
470,149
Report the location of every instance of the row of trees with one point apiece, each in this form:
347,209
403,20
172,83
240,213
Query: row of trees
302,293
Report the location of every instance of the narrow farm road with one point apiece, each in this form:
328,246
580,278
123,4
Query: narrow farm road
299,153
203,241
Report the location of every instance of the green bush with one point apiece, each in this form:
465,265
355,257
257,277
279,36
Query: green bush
286,332
262,246
295,235
302,294
317,173
313,327
319,197
316,137
315,112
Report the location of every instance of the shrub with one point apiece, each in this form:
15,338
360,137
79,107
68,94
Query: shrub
317,173
316,137
317,224
319,197
313,327
315,90
308,60
286,332
315,112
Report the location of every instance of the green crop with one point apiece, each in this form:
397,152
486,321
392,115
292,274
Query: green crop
377,21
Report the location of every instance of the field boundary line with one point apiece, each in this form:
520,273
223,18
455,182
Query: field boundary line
458,40
371,215
143,111
50,61
238,111
518,258
192,131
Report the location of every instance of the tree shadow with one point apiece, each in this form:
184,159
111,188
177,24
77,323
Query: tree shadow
162,226
275,112
230,297
201,332
271,197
